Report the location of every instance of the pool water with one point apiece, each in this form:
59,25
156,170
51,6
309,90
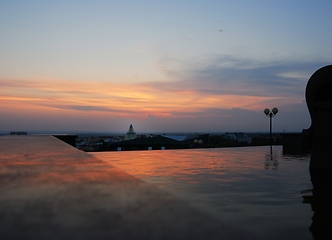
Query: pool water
257,188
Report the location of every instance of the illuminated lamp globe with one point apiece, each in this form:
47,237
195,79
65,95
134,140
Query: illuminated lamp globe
266,111
275,110
195,141
200,142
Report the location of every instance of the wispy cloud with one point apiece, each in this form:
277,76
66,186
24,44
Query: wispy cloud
221,83
229,75
86,108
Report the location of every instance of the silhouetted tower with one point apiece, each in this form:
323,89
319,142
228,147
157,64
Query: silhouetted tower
131,133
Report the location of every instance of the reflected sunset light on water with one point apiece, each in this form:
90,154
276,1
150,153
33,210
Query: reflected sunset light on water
249,186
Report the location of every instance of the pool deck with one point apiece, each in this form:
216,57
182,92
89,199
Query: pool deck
51,190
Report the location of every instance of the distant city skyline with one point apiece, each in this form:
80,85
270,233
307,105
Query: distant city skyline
163,66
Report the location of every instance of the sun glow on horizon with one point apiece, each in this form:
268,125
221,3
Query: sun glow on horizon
117,99
153,106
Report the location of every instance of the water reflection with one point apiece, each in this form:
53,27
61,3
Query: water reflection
271,160
234,184
180,163
39,169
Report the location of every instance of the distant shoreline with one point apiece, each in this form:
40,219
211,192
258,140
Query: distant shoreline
94,134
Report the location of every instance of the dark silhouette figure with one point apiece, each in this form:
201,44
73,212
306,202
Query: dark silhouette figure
319,101
321,204
319,136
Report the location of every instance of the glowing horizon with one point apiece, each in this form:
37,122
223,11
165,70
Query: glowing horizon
120,98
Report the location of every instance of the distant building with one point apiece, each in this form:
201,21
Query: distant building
240,137
131,133
230,136
192,140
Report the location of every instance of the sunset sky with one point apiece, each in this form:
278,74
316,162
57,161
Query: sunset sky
163,66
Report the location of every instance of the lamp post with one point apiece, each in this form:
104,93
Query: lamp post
271,114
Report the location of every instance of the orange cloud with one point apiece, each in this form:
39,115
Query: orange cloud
117,99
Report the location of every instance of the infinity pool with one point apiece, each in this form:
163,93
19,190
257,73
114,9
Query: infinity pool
256,188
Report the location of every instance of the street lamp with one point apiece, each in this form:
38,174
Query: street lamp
271,114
